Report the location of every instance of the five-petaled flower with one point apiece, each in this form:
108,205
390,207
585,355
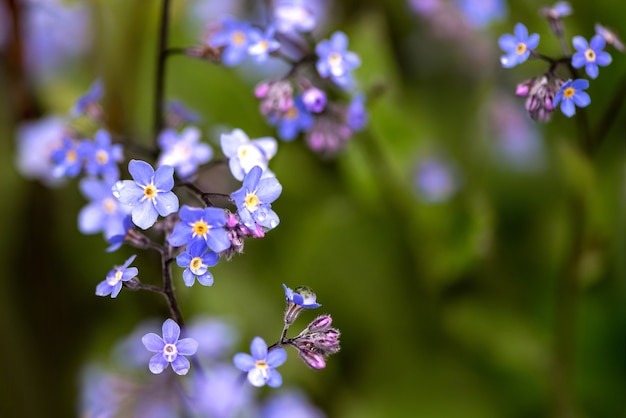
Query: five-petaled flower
261,364
261,44
169,349
202,225
590,55
243,153
572,95
517,47
149,195
299,299
113,282
183,151
197,261
254,200
335,61
234,37
101,157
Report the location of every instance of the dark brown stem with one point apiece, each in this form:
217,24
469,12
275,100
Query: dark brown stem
160,70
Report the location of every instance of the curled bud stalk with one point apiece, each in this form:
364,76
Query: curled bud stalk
317,342
540,93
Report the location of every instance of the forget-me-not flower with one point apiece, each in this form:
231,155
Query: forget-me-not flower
262,43
335,61
66,159
101,157
197,261
169,349
104,212
113,282
254,200
183,151
590,55
572,95
203,225
149,193
261,365
234,37
243,153
293,120
517,47
89,101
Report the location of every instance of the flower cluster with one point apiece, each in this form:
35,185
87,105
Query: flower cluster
310,98
547,91
314,344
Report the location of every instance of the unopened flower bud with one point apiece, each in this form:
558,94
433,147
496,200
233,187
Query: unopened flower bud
319,324
313,360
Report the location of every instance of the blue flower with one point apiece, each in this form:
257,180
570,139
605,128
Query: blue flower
169,349
335,61
254,200
243,153
262,43
479,13
590,55
301,296
116,241
518,46
35,143
87,104
149,195
610,37
261,364
113,282
101,157
67,161
104,212
560,10
572,95
196,261
183,152
293,120
436,180
203,225
234,37
356,114
295,15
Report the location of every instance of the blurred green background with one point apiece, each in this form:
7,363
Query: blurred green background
505,300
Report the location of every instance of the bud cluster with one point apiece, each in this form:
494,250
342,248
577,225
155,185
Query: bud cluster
317,342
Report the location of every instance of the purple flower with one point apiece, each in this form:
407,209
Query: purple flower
356,114
201,225
293,120
234,37
558,11
435,180
243,153
517,47
479,13
113,282
104,212
314,99
261,364
169,349
294,403
572,95
196,261
101,157
262,43
254,200
590,55
335,61
183,151
149,193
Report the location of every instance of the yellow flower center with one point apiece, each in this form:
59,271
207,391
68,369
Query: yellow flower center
102,157
261,364
521,48
116,278
150,191
71,156
291,113
239,38
568,92
195,264
590,55
109,205
334,59
251,201
200,228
